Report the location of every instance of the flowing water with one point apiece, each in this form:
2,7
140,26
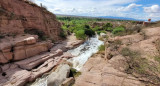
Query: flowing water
81,53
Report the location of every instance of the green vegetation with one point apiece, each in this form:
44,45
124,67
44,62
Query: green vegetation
108,27
79,26
141,67
80,34
102,48
62,35
85,27
118,30
75,72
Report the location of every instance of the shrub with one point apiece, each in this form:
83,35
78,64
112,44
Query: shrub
62,34
96,28
99,32
80,34
140,67
102,48
74,72
108,27
118,30
89,32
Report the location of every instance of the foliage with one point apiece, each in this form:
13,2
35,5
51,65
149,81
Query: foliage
96,28
80,34
118,30
75,72
108,27
89,32
140,67
99,32
102,48
62,34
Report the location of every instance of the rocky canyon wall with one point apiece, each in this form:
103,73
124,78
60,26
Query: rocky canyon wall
18,16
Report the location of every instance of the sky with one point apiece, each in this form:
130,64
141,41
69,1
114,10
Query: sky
137,9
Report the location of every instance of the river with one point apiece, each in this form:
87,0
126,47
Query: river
81,53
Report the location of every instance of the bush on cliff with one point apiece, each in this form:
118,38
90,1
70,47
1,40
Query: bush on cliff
108,27
80,34
118,30
102,48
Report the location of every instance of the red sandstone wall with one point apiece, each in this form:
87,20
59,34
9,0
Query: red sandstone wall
18,15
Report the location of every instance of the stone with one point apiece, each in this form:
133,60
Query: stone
5,44
44,68
32,62
14,76
30,40
19,53
56,78
103,35
8,55
2,58
68,82
67,55
32,50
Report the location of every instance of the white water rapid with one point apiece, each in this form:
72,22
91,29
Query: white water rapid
81,53
84,51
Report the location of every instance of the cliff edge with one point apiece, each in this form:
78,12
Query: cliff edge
23,16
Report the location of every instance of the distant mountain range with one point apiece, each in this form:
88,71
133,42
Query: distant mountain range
103,17
119,18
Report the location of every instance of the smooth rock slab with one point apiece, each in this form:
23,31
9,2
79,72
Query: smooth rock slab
56,78
32,62
13,76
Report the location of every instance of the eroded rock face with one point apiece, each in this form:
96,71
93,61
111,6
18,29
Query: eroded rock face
21,47
98,72
20,15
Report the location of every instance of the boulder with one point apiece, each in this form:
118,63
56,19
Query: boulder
44,68
23,40
103,35
67,55
68,82
56,78
13,76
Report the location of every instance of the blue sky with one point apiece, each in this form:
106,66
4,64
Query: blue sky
138,9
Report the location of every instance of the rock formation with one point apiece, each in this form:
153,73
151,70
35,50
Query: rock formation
22,16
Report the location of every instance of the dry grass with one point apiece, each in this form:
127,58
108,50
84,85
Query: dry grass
141,68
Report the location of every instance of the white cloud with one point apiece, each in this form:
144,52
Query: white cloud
153,12
129,7
118,8
152,9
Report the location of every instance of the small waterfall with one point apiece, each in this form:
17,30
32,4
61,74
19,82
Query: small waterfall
84,51
81,53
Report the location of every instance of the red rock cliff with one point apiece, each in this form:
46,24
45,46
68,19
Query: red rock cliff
17,16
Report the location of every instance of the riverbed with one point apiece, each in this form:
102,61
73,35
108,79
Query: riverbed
81,53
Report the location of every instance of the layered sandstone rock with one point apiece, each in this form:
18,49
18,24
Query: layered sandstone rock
98,72
21,47
18,16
